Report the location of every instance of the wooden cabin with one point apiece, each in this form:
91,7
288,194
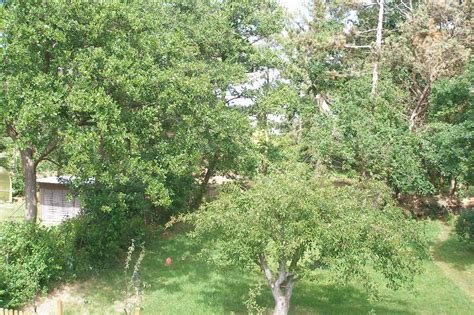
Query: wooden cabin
56,202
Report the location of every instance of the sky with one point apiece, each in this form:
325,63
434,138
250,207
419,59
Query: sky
294,5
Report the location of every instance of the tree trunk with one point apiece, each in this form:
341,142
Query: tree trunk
203,187
420,107
441,184
452,189
29,173
281,286
378,48
282,305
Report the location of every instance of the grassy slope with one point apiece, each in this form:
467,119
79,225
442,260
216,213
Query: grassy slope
193,287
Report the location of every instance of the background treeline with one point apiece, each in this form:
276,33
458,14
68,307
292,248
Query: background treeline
144,102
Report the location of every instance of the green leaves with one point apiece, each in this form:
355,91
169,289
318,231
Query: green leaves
309,222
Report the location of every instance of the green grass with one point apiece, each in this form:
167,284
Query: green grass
11,211
194,287
456,258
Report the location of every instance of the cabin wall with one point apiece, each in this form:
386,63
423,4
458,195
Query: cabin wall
56,205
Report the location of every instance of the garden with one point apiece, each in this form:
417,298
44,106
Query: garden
231,157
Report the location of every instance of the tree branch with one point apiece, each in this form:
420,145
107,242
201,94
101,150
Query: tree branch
417,109
358,46
366,31
49,148
266,270
290,285
281,273
54,162
378,48
295,259
11,131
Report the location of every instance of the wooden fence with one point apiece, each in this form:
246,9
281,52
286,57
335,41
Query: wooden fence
5,311
59,310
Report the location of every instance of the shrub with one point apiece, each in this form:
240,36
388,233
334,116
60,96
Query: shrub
32,257
35,257
99,237
465,226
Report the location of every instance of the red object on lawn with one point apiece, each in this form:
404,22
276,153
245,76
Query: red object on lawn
168,262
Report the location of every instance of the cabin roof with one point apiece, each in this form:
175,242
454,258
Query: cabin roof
60,180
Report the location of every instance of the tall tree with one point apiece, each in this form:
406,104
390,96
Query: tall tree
431,43
378,47
122,93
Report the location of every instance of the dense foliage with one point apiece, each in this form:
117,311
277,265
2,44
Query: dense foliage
465,226
144,102
36,258
292,223
110,91
32,257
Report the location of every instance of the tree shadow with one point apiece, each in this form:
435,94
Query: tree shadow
225,290
457,254
221,289
335,299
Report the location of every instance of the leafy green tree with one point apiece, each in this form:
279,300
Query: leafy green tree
370,137
290,224
431,43
48,71
465,226
110,91
448,137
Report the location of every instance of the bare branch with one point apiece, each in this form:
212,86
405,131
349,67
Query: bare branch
290,285
227,101
358,46
52,161
418,109
367,31
378,48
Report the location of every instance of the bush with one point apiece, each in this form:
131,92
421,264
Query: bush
32,257
465,226
99,237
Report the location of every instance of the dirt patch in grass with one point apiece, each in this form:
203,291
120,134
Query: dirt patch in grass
48,305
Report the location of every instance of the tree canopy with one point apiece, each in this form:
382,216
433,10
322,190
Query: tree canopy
292,223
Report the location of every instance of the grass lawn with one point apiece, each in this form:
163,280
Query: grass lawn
456,259
11,211
194,287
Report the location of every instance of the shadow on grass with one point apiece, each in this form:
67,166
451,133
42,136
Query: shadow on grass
456,253
333,299
224,290
219,289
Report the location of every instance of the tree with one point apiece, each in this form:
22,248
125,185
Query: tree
50,90
448,135
378,47
432,42
292,223
371,138
110,91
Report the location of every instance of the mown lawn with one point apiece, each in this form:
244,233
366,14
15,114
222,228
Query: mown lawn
194,287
